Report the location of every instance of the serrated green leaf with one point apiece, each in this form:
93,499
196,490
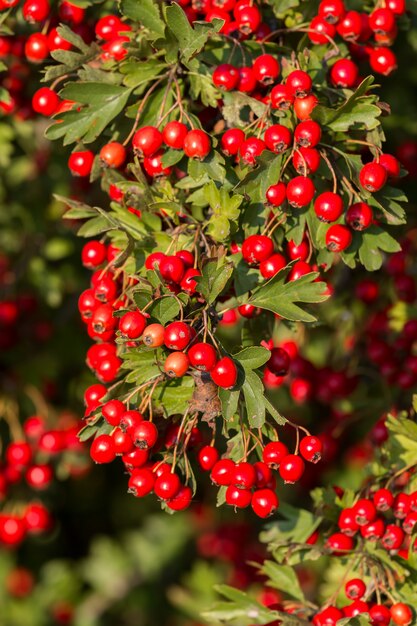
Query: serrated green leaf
146,13
284,578
214,279
191,39
173,396
165,309
253,392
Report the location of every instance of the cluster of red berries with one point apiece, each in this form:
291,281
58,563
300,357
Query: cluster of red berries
31,462
370,36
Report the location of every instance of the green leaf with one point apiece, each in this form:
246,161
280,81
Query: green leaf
137,72
253,392
284,578
280,297
146,13
191,40
172,157
94,226
102,104
66,33
296,526
165,309
142,364
214,279
375,239
280,419
229,401
174,396
234,105
252,357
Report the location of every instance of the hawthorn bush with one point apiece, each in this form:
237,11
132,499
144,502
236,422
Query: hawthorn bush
250,314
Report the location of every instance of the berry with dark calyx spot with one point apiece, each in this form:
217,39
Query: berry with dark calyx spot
383,499
300,191
132,324
197,144
35,10
338,238
176,364
350,26
359,216
382,21
250,149
144,435
307,134
266,69
374,530
141,482
278,138
224,373
344,73
328,206
244,475
188,282
231,141
113,154
320,31
177,336
153,335
282,97
373,176
276,194
393,537
311,448
248,18
264,502
226,77
355,589
257,248
331,10
147,140
202,356
237,497
273,453
129,420
299,83
347,522
306,160
291,468
401,505
365,511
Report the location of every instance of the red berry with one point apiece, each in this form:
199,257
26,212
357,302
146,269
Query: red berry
383,61
271,266
222,472
231,141
401,614
153,165
279,362
307,134
257,248
331,10
344,73
347,522
208,457
382,21
243,475
383,499
373,176
273,453
339,544
176,364
113,154
306,160
276,194
181,500
250,149
311,448
237,497
93,254
328,206
177,336
303,107
380,615
299,83
112,411
328,617
45,101
18,453
300,191
202,356
147,140
224,373
144,435
291,468
174,134
102,449
35,10
188,282
338,238
141,482
355,589
167,486
393,537
248,19
36,48
266,69
281,97
197,144
80,163
320,31
132,324
359,216
172,269
226,77
264,502
391,164
278,138
247,80
350,26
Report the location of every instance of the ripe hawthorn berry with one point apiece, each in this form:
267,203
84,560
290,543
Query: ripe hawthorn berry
222,472
226,77
112,411
307,134
276,194
266,69
231,141
36,48
303,107
45,101
102,449
383,61
264,502
174,134
132,324
311,448
299,83
279,362
373,176
247,80
238,497
251,148
350,26
93,254
147,140
331,10
35,10
208,457
320,31
282,97
224,373
401,614
271,266
202,356
359,216
181,500
328,206
80,162
167,485
338,238
113,154
188,282
197,144
278,138
172,268
257,248
328,617
291,468
391,164
306,160
141,482
153,335
18,453
300,191
243,475
355,589
153,165
393,537
177,336
144,435
176,364
382,21
339,544
248,18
